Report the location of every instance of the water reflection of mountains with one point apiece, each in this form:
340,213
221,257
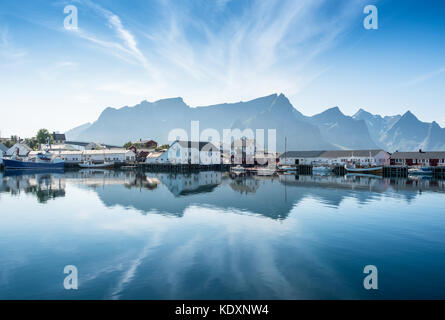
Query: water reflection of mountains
168,193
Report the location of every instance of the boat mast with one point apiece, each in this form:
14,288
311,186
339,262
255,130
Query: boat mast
285,150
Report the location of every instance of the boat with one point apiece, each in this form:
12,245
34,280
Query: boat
422,171
238,169
93,165
43,161
284,168
364,169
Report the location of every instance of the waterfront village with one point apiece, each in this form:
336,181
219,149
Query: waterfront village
243,156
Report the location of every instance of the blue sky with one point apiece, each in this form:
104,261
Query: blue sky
316,52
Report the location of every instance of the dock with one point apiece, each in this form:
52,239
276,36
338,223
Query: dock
395,171
339,170
184,167
438,172
304,169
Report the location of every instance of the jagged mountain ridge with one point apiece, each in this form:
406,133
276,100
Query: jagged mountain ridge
328,130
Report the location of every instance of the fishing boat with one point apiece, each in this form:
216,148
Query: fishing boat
93,165
364,169
42,161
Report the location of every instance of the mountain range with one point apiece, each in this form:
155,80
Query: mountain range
328,130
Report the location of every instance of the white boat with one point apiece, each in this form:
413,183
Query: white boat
319,169
287,168
423,171
238,169
92,165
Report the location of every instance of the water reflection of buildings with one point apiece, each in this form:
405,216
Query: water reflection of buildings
44,186
193,183
166,193
365,182
244,184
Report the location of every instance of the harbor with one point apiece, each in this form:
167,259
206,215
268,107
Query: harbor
242,158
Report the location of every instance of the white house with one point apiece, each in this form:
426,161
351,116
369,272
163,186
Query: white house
188,152
23,150
71,157
336,157
110,155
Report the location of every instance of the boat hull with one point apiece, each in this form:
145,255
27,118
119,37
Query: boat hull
372,170
97,166
27,165
420,173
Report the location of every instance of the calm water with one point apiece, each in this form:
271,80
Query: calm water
209,236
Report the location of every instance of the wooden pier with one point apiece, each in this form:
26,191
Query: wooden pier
395,171
184,167
339,170
304,169
438,172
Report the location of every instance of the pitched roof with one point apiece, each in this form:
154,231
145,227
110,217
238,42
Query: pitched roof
154,155
194,144
59,136
419,155
3,148
301,154
350,153
84,144
107,151
21,145
144,142
330,154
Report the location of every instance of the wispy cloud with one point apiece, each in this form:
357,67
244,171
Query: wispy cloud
424,77
8,52
263,48
124,45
